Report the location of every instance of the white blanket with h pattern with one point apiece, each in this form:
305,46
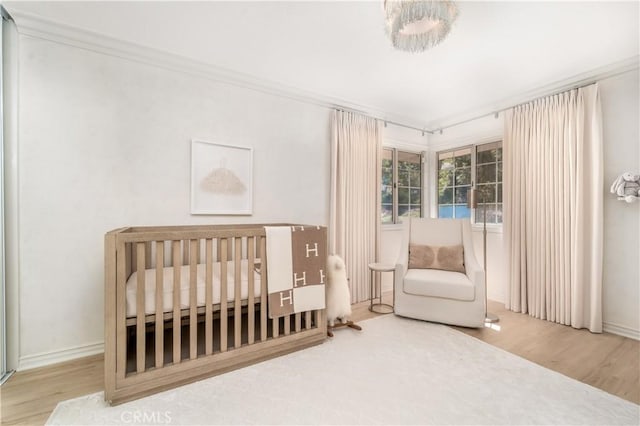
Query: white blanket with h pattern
296,259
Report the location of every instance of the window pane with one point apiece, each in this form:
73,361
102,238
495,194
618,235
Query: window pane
488,156
445,211
499,153
411,158
387,194
500,172
480,213
387,176
415,178
445,161
403,195
445,178
500,192
405,188
462,211
387,213
414,211
492,214
463,160
498,213
461,194
487,193
486,173
403,177
445,196
463,176
414,195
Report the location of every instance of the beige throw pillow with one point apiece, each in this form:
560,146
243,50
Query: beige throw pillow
446,258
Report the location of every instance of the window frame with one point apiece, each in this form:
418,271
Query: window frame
474,153
395,219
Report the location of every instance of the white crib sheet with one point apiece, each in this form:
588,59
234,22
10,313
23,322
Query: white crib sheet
150,287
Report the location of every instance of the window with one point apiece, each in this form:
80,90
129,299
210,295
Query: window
459,169
401,185
454,181
489,181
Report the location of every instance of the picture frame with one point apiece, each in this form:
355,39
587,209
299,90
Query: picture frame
221,179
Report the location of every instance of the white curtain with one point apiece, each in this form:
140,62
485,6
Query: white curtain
553,190
354,222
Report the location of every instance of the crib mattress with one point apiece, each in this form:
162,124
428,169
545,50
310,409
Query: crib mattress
150,287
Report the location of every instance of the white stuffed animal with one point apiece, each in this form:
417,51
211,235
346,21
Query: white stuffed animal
627,186
338,296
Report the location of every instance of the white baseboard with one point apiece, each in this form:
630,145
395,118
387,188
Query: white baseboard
46,358
621,330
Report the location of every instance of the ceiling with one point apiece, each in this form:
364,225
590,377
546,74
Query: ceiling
339,49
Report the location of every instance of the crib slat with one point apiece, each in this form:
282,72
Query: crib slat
223,295
318,317
263,291
275,330
110,290
159,303
251,313
121,303
287,325
298,321
208,295
237,312
129,259
177,267
193,302
140,308
307,320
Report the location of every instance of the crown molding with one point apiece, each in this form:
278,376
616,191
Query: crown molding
35,26
592,76
45,29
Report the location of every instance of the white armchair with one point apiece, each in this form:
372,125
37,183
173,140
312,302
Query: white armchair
435,295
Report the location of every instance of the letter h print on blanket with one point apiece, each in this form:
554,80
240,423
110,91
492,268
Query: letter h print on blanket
296,258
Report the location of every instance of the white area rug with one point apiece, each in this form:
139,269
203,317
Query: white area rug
396,371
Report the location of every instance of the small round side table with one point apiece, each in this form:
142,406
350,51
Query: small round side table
380,308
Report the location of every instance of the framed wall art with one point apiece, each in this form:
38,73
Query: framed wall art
221,179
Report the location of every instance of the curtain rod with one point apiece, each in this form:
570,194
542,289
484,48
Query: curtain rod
555,92
495,112
395,123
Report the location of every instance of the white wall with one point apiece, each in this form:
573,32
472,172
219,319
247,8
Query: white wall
621,281
620,98
105,142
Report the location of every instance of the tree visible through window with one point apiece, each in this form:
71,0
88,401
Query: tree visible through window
459,169
489,181
401,185
454,182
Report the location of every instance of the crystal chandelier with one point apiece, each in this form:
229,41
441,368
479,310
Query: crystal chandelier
417,25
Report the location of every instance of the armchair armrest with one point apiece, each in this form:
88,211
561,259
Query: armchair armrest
474,271
402,263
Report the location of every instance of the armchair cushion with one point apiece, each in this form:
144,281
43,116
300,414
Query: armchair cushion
446,258
436,283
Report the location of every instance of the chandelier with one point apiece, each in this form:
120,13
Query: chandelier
417,25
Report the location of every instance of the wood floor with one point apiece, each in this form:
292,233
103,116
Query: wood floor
605,361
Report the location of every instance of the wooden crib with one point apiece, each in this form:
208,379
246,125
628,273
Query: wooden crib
154,341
